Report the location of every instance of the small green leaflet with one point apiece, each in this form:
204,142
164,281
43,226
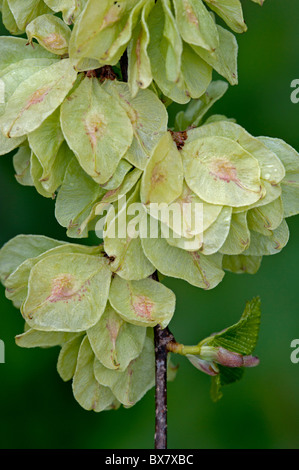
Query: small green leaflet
241,337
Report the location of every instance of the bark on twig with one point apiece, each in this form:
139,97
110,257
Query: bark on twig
162,338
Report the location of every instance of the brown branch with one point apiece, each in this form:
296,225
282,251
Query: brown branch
162,338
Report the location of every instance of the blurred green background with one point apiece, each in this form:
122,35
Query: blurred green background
37,410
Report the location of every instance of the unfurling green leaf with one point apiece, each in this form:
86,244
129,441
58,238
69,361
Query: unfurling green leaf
242,337
224,355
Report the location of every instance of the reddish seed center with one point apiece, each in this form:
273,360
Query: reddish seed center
62,288
223,170
95,128
38,96
143,307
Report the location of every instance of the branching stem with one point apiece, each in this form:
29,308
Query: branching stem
178,348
